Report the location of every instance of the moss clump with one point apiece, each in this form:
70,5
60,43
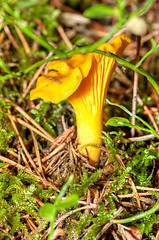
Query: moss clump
18,202
6,130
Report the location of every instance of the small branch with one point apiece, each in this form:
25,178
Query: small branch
135,87
36,75
12,39
19,109
107,225
23,40
142,138
148,113
64,37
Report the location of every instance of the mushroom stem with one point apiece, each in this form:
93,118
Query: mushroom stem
89,131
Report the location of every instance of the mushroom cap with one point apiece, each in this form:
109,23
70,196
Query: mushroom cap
117,46
63,79
65,76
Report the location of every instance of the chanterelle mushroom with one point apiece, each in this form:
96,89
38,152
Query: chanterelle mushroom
83,80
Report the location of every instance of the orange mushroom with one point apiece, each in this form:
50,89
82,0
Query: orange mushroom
83,80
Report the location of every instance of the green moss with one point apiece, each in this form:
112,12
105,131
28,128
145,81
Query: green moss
86,181
16,201
142,165
83,223
6,129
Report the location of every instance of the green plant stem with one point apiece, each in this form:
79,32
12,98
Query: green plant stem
38,64
4,66
92,47
64,189
133,115
61,194
143,10
146,55
139,216
26,30
131,66
80,50
52,223
11,75
10,11
118,59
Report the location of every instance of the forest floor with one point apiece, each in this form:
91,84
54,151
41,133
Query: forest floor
48,190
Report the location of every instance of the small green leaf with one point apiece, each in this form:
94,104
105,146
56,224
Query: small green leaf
100,11
148,129
117,121
46,211
68,202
